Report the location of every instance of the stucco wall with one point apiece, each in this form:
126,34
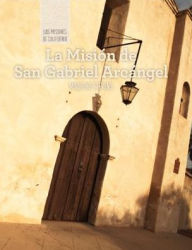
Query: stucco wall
171,195
185,221
33,111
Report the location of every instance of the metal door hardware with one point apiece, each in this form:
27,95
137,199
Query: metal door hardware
107,157
80,169
59,138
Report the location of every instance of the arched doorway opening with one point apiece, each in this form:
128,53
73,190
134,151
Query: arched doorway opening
79,170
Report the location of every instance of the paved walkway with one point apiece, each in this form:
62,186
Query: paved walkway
74,236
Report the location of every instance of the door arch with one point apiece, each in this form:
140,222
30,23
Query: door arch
79,170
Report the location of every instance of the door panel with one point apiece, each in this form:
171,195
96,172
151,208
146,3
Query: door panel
89,180
79,170
75,171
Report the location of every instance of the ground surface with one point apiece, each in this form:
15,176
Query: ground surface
74,236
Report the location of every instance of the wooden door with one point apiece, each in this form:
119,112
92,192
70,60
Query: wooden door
75,171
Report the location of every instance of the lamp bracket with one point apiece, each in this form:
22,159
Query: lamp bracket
132,41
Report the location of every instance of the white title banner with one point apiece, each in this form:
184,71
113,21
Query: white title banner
55,21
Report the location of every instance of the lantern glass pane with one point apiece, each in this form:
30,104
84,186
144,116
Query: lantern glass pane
133,93
125,91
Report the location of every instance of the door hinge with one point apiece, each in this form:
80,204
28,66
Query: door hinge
107,157
60,138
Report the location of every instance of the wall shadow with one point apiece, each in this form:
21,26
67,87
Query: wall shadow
113,25
128,232
175,212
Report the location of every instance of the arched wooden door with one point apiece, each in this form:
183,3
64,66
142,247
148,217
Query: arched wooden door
78,173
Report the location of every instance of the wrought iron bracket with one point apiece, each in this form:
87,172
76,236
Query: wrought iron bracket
132,41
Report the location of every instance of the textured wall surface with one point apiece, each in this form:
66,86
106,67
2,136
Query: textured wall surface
185,220
33,111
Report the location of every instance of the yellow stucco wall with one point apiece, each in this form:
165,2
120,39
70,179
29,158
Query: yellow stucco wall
185,221
33,111
172,185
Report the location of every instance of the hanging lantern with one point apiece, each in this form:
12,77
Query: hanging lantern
128,92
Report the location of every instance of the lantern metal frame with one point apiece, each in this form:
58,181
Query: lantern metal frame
129,85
